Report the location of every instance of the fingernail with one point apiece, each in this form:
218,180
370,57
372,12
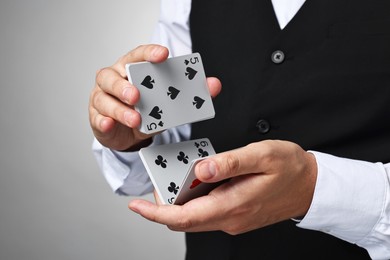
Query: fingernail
127,95
128,118
157,52
207,170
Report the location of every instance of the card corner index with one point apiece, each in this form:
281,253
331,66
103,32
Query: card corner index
200,58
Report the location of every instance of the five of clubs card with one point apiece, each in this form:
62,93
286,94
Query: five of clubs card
171,169
173,92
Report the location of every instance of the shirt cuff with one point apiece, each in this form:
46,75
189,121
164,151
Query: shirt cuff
350,201
123,171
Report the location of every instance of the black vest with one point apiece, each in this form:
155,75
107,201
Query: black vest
330,92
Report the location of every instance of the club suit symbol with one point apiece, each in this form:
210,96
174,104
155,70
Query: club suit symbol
161,161
173,188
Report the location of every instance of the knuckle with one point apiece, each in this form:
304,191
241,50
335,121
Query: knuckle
91,117
184,224
118,113
140,47
100,103
233,230
232,163
232,233
98,72
118,85
92,99
92,96
238,227
134,53
122,60
91,107
173,228
235,225
269,152
101,74
96,98
131,56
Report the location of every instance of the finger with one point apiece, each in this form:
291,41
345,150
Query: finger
100,124
233,163
196,215
108,106
157,213
151,52
215,86
111,82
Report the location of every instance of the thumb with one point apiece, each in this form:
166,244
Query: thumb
227,165
151,52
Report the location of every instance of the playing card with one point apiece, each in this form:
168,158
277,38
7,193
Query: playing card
191,187
172,93
168,165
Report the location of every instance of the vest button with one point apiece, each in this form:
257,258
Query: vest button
277,57
263,126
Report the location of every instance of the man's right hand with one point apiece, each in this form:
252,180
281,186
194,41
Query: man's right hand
112,116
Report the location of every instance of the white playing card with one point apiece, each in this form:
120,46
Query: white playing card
191,187
168,165
173,93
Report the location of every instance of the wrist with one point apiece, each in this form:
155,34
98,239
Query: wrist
309,187
139,145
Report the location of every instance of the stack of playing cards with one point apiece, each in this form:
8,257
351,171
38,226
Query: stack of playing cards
173,93
171,169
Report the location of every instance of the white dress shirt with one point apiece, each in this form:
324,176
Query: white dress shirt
351,199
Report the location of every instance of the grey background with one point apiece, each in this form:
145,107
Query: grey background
54,202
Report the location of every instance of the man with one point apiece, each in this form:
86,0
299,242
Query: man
301,128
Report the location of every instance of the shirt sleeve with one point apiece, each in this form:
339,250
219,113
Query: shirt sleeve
351,201
124,171
172,29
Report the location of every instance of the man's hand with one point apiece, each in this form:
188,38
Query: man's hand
270,181
111,107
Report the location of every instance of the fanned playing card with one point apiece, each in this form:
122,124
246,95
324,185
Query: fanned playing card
170,165
191,187
173,92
